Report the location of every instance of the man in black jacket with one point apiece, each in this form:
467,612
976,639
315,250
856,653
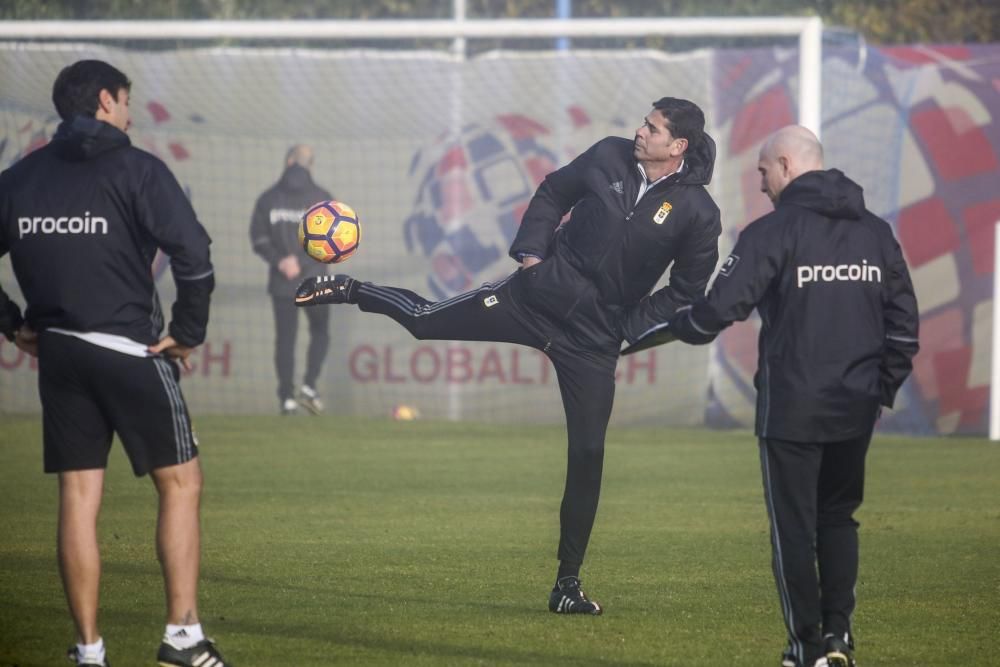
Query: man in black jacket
274,236
82,219
583,287
838,334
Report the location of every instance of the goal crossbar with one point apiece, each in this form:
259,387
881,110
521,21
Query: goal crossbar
406,29
809,31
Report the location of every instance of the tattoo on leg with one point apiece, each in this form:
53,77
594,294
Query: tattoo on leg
188,618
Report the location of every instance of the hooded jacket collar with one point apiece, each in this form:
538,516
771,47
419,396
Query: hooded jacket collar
699,162
829,193
83,138
296,177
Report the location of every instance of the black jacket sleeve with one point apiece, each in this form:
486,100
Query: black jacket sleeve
261,236
166,213
689,277
902,322
10,316
557,194
741,283
189,315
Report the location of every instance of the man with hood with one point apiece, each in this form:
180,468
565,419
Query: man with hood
838,333
584,285
82,219
274,236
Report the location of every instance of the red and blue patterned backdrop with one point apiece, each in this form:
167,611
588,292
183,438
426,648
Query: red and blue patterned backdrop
917,127
442,193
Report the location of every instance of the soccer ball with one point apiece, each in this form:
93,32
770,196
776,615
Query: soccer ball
330,232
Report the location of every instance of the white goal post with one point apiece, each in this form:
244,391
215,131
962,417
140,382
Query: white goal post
995,363
809,31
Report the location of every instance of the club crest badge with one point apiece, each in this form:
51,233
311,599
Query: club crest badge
662,213
491,301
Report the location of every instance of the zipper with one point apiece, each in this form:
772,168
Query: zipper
598,266
665,187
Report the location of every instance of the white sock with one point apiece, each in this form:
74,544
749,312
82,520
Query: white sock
184,636
91,652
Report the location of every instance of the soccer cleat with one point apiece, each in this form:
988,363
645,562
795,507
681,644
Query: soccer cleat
202,654
839,650
310,400
325,289
788,658
568,598
289,406
73,655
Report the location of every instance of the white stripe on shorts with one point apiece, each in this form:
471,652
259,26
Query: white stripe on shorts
182,434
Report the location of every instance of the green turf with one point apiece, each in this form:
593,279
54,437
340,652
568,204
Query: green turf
357,542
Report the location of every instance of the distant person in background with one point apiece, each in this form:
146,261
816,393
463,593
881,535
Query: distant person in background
82,219
274,235
838,335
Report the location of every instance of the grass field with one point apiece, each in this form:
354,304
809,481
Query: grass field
359,542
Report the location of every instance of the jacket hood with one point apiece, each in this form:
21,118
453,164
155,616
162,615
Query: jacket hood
829,193
701,159
297,177
83,138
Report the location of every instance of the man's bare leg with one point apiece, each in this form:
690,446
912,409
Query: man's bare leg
80,494
178,538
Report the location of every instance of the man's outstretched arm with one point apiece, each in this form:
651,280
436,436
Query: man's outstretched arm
740,285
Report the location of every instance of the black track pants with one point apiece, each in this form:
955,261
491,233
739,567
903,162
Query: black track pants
812,491
286,327
586,380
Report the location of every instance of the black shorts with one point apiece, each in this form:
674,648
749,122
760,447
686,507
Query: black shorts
89,393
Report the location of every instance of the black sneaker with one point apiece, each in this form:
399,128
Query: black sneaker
202,654
568,598
839,650
326,289
73,655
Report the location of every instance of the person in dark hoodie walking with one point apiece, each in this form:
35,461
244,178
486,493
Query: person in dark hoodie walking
82,219
839,327
274,236
583,287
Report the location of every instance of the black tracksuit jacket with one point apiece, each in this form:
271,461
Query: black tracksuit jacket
599,267
274,227
82,219
839,319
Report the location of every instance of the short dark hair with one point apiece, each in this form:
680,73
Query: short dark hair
685,119
78,87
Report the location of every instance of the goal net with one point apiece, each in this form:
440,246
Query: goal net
439,152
